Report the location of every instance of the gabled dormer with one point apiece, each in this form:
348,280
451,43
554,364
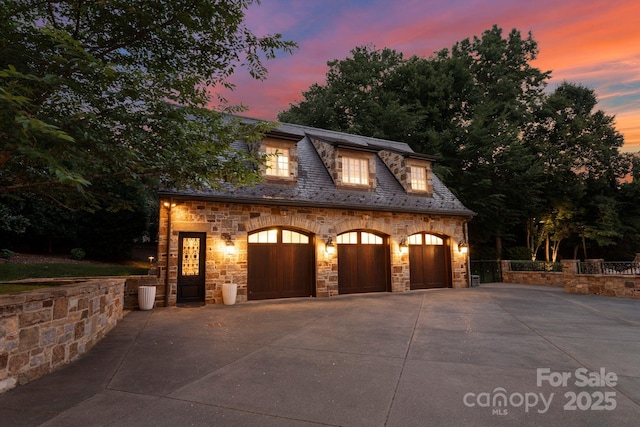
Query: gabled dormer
282,157
350,165
412,170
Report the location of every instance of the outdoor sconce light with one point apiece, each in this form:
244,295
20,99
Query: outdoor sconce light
463,247
329,247
230,248
404,248
169,205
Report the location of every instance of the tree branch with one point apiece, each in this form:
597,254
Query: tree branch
52,16
48,195
4,158
57,184
76,31
139,35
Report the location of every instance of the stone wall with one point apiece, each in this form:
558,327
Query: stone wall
327,153
572,282
237,220
400,166
546,278
600,284
533,278
43,330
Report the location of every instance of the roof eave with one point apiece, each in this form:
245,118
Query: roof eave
307,204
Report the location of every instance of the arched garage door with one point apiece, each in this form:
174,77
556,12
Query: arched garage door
363,262
280,264
429,265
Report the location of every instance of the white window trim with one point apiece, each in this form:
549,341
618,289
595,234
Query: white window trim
278,162
418,175
355,170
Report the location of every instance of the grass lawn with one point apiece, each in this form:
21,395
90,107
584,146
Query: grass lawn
7,288
10,271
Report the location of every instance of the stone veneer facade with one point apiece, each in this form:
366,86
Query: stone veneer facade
217,218
332,158
400,166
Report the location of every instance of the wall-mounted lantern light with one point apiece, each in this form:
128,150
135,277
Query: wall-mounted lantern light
463,247
230,248
404,248
169,205
329,247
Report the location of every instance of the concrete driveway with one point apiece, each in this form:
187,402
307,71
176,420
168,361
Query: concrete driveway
495,355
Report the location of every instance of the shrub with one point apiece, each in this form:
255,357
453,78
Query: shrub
7,253
519,253
78,253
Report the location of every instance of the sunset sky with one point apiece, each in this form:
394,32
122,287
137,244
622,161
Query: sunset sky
592,42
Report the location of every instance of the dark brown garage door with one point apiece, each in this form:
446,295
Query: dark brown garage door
429,261
363,262
281,264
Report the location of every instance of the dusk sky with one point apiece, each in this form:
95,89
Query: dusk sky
592,42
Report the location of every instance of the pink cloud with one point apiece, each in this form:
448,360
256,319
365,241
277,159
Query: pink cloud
592,42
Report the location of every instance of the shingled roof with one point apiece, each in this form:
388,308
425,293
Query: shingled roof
315,188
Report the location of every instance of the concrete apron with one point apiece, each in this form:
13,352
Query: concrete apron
499,354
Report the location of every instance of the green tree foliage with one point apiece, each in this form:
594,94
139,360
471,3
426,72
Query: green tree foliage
539,168
487,143
103,232
629,212
584,170
359,96
109,234
119,89
380,94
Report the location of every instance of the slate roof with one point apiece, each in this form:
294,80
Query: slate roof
315,188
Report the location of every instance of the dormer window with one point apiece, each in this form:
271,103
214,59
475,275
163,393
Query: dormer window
277,162
355,171
412,170
350,165
281,163
418,178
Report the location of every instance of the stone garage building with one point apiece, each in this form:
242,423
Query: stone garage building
336,214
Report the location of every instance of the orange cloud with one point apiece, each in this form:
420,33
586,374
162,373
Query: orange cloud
592,42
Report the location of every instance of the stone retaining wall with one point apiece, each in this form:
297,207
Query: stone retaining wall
43,330
533,277
572,282
601,284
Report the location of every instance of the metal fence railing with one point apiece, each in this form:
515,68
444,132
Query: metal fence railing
624,268
489,271
535,266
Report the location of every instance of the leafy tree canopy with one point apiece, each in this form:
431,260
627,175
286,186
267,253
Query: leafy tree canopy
119,89
535,165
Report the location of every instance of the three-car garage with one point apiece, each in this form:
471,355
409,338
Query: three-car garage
281,262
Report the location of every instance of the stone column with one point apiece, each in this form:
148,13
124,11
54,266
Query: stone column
569,275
